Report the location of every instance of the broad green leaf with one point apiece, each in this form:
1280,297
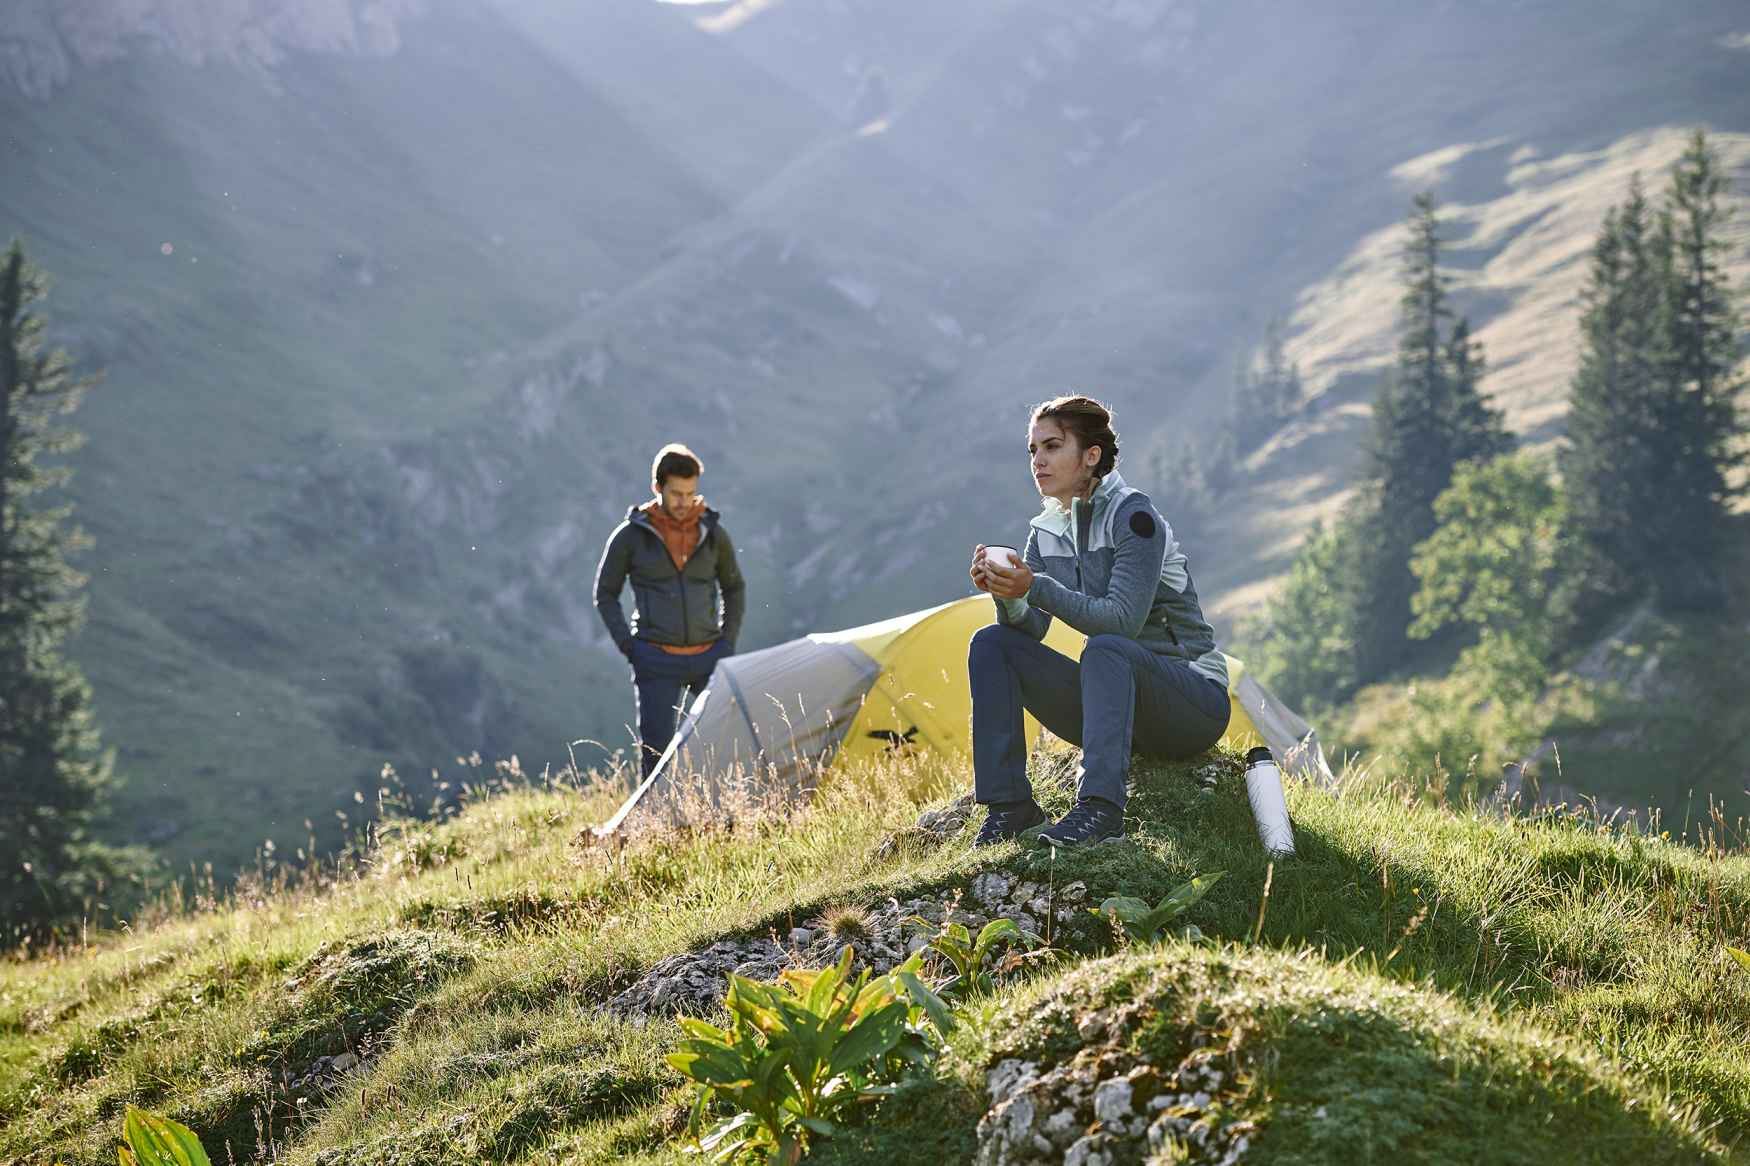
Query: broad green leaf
1743,957
870,1037
711,1067
1184,897
771,1079
882,991
700,1030
158,1141
933,1005
995,930
725,1129
800,980
1124,908
696,1115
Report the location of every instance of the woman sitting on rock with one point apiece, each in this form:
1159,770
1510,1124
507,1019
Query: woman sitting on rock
1100,558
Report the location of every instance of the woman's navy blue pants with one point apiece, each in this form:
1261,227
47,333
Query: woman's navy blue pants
1119,697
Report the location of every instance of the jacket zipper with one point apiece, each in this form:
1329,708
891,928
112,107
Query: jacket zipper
680,574
680,578
1075,536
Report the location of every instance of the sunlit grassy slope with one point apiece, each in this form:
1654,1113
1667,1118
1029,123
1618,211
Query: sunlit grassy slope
1423,983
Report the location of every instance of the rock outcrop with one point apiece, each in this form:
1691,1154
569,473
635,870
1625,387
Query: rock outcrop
43,41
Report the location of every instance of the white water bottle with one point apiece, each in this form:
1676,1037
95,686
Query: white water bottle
1264,789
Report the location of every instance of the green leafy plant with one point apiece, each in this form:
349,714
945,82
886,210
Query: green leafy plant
1146,924
972,959
1741,956
799,1053
158,1141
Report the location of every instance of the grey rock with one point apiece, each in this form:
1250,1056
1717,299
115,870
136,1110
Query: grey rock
991,888
1087,1151
1112,1100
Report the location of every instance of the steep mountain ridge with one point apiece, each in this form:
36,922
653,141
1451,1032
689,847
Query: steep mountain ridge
425,313
42,42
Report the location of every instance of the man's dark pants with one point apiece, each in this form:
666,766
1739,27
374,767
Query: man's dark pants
659,678
1119,696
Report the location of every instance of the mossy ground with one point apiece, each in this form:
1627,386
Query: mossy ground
1447,982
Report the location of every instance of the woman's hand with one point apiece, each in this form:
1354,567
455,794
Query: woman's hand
977,570
1006,582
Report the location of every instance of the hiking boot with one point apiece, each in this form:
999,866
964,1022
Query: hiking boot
1091,821
1007,820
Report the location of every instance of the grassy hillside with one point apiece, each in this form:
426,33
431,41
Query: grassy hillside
1421,984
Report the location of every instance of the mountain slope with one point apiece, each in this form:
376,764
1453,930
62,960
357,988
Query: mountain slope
275,276
432,299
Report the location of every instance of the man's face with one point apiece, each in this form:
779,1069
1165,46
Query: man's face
678,495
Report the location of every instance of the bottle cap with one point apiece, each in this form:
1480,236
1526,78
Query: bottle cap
1254,756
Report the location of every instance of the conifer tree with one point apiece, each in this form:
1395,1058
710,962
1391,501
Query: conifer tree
1694,417
1607,466
53,773
1429,417
1267,392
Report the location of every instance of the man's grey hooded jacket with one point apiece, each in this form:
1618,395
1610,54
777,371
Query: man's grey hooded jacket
672,606
1110,565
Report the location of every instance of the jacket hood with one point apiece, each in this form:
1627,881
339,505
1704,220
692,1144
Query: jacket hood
636,516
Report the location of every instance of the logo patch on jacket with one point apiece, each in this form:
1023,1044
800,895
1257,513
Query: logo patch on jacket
1143,523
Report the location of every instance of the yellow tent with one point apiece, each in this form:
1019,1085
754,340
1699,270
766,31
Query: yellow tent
786,714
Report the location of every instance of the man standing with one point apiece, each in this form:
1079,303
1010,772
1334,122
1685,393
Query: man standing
687,593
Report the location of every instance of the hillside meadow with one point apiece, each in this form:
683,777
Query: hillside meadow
1420,982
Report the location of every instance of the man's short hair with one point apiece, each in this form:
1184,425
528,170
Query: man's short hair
675,460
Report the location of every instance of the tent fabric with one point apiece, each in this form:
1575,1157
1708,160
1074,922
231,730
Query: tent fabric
785,715
767,718
1272,724
922,700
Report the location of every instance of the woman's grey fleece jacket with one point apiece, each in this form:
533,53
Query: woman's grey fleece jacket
1110,565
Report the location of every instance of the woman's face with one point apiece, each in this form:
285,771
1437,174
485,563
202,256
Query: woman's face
1061,468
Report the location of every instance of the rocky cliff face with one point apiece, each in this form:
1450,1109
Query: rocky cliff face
43,41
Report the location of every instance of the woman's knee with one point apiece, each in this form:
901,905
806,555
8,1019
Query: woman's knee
1109,646
992,637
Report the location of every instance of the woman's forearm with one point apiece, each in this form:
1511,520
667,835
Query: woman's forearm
1121,614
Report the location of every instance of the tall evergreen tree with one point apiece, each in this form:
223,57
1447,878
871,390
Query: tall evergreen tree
1608,466
53,774
1694,413
1429,417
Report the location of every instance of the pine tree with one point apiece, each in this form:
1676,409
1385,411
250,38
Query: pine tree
1693,414
1430,416
53,774
1267,392
1608,467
